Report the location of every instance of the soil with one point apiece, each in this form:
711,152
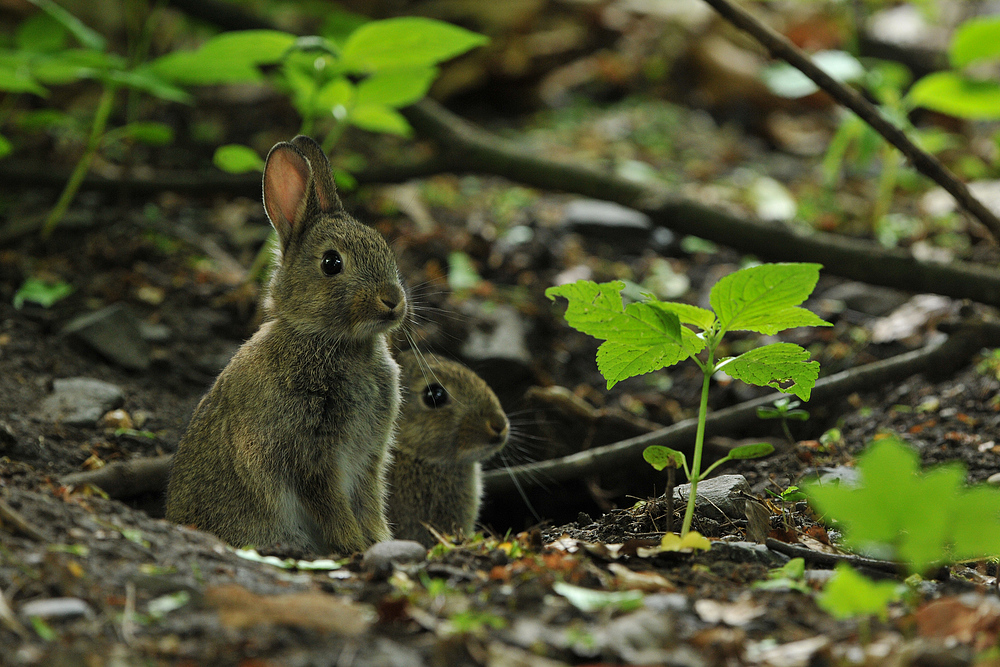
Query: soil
135,589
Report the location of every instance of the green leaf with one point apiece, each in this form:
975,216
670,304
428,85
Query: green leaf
71,65
688,314
87,37
41,292
976,39
764,298
640,338
849,594
336,93
662,457
925,519
951,93
396,88
150,133
231,57
237,159
149,82
405,42
775,366
462,274
41,33
754,451
5,147
590,600
42,629
15,78
376,118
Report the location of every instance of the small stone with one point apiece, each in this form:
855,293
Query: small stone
383,555
79,401
497,333
606,220
114,333
867,299
994,479
748,552
724,498
57,608
116,419
154,332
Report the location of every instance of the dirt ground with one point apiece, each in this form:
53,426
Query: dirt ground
124,588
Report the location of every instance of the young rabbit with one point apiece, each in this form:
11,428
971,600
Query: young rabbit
450,421
290,445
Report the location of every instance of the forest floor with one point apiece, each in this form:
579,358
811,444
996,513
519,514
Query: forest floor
90,581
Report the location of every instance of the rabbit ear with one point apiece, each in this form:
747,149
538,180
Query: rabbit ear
288,181
326,191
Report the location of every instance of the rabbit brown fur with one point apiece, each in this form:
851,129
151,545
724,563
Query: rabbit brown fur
290,445
450,421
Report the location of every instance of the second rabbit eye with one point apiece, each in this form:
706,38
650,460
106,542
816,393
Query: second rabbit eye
435,396
331,264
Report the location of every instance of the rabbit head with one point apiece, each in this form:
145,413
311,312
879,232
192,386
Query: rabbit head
334,276
449,415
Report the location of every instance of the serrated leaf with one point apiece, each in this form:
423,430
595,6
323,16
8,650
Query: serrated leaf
405,42
976,39
955,95
396,88
640,337
688,314
754,451
237,159
661,457
764,298
376,118
849,594
776,366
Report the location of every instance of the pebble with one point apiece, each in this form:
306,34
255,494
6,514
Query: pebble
57,608
114,333
497,332
867,299
724,498
606,220
994,479
79,401
383,555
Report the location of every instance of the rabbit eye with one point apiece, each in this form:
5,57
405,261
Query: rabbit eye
332,264
435,396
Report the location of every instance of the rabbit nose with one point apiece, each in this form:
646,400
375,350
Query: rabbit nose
390,302
497,428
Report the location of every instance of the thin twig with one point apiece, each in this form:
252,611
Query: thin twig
927,164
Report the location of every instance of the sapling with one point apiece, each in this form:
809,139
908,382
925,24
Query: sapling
646,336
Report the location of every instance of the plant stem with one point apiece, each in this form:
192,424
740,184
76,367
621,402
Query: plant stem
699,441
101,115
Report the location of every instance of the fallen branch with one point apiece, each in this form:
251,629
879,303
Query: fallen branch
627,454
925,163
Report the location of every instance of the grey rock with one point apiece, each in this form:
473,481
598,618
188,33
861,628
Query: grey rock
496,333
606,219
383,555
154,332
724,498
79,401
114,333
57,608
748,552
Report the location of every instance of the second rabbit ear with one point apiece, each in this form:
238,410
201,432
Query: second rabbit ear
326,192
288,186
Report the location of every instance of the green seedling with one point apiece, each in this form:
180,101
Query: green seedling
990,365
646,336
849,594
784,409
590,600
792,494
921,518
46,294
789,577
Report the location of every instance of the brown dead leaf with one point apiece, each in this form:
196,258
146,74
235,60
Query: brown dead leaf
650,582
239,608
961,620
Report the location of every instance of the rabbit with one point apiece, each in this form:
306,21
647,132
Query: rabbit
291,444
450,421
